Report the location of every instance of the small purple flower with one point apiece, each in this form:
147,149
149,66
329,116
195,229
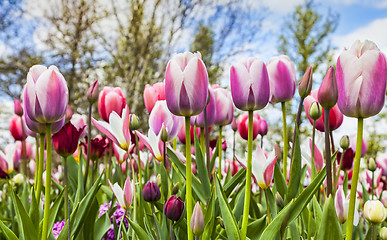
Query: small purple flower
57,228
117,216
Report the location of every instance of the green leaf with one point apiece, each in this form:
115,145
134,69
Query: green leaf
164,180
88,229
9,235
53,212
295,171
238,178
80,189
255,229
272,203
293,231
139,231
34,210
27,228
330,227
214,156
209,218
101,226
230,224
293,209
202,169
279,181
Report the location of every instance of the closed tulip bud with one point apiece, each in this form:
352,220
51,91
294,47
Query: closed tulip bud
383,233
133,122
262,127
344,142
234,125
197,220
173,208
151,192
374,211
18,179
315,111
327,93
305,86
164,134
279,200
16,128
92,92
175,188
158,179
69,113
371,164
243,125
224,107
18,107
152,94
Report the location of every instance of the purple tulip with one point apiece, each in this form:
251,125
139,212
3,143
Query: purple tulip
174,208
262,127
45,94
198,120
282,76
163,117
186,84
224,107
361,75
41,127
250,87
151,192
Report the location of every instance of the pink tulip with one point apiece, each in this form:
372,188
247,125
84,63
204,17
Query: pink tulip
41,127
263,167
152,94
262,127
250,87
382,164
335,116
352,144
327,93
45,94
80,121
18,152
243,125
69,113
282,76
16,128
224,107
186,84
124,197
198,120
153,143
361,74
342,205
318,153
6,159
120,154
163,117
110,100
18,109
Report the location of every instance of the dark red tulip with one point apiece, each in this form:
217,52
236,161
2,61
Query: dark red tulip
151,192
66,140
349,156
98,146
174,208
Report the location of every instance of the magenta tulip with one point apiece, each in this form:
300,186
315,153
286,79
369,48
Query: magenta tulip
198,120
151,192
65,141
282,76
224,107
327,93
152,94
250,87
41,127
262,127
45,94
110,100
361,74
93,93
174,208
243,125
18,109
16,128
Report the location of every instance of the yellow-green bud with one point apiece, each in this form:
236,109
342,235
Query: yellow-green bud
371,165
279,200
175,189
133,122
344,142
315,110
383,233
221,222
163,134
197,220
158,179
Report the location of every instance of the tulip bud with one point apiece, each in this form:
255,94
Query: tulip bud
234,125
374,211
158,179
315,111
383,233
197,220
151,165
279,200
151,192
305,86
262,127
174,208
163,134
18,179
277,150
18,107
175,189
344,142
69,113
371,164
327,93
133,122
221,222
92,92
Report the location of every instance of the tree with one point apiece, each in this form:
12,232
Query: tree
306,37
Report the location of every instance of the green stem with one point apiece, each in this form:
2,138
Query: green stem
202,144
188,173
139,163
372,186
40,169
220,153
267,207
66,196
36,161
355,178
248,177
373,232
154,221
285,136
174,145
172,233
134,196
313,172
328,161
338,171
47,195
88,146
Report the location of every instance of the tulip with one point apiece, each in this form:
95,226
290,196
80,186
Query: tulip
18,153
41,127
151,192
361,74
344,142
250,87
92,92
197,220
198,120
186,84
117,129
79,121
16,128
98,146
152,94
111,100
282,77
45,94
243,125
335,116
133,122
341,205
374,211
66,140
18,109
173,208
153,143
224,107
318,153
18,179
69,113
349,156
352,144
124,197
262,127
327,93
234,125
306,83
163,117
7,158
383,233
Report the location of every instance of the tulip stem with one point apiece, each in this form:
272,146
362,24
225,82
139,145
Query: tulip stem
314,171
328,160
372,185
285,136
298,122
267,207
47,195
36,160
207,143
154,222
202,144
174,143
355,178
134,196
338,171
41,163
188,173
66,196
248,177
373,234
171,230
88,145
139,163
261,141
220,153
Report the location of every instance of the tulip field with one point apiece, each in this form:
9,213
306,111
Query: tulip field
178,175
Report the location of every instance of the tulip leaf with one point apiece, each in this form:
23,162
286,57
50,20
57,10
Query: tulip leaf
88,229
293,209
164,179
279,181
27,228
209,218
293,231
101,226
34,210
330,227
9,235
229,221
295,170
202,169
139,231
255,229
53,212
238,178
196,185
80,189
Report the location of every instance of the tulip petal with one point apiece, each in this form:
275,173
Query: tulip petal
119,193
105,128
269,171
128,192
